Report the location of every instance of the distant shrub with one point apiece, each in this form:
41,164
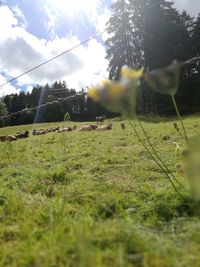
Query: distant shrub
67,116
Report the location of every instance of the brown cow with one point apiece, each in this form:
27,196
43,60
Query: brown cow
104,127
22,135
100,119
11,138
85,128
3,138
65,129
122,125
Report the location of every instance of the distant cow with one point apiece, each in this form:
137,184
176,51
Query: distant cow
38,132
22,135
11,138
93,126
122,125
65,129
100,119
104,127
3,138
85,128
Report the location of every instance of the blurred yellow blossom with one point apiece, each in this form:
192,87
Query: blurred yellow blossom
93,93
119,96
131,74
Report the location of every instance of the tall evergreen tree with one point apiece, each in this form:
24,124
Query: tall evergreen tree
122,45
196,37
3,108
196,69
3,112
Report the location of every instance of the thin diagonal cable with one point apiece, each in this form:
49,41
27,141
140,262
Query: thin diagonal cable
51,59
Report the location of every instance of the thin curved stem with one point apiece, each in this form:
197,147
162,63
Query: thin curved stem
179,117
155,160
156,154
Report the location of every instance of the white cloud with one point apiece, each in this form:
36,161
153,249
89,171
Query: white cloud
101,21
21,50
95,65
191,6
51,21
7,89
7,20
76,8
20,16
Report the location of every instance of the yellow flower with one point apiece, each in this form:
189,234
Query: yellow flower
93,93
119,96
114,89
131,74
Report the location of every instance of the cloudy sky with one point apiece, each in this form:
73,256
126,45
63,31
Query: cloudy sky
34,31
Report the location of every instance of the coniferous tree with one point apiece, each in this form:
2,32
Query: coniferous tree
196,69
196,37
122,47
3,112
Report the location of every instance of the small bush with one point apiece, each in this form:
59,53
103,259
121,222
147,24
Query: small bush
67,116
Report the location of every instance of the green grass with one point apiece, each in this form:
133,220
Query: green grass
94,199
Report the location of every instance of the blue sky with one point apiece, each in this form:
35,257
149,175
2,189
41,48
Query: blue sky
80,24
34,31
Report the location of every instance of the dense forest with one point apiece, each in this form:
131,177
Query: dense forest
49,103
142,33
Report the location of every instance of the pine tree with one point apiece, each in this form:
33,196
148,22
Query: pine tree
3,108
196,69
196,37
122,46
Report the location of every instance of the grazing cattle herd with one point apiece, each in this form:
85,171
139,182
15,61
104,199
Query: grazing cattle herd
18,135
83,128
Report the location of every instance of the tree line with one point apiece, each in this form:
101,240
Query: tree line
147,34
49,103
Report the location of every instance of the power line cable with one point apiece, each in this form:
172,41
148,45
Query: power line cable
64,52
51,59
191,61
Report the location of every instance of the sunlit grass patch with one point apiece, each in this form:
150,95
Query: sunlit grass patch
94,199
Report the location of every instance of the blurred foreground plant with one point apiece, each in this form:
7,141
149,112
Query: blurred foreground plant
191,160
121,96
166,81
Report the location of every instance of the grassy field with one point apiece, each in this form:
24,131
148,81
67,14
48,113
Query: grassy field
94,199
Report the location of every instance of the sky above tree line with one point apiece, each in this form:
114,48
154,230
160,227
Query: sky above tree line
34,31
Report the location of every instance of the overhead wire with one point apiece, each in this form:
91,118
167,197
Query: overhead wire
51,59
65,52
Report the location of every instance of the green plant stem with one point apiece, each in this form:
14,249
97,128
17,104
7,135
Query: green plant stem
155,160
156,154
179,117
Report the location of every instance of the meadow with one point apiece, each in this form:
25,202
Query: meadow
95,199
